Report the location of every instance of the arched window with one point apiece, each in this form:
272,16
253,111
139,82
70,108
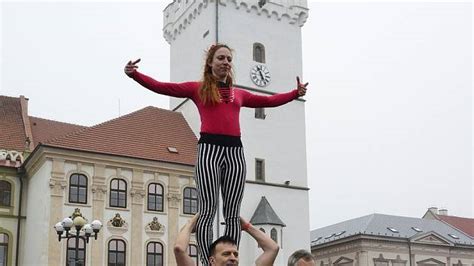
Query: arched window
3,249
73,259
258,52
193,253
263,230
78,189
154,254
190,201
116,252
118,193
5,193
155,197
274,235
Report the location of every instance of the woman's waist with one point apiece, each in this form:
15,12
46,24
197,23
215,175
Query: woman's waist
220,139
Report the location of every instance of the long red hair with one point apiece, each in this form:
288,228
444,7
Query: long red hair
208,92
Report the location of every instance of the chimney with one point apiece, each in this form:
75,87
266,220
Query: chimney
29,146
443,212
433,210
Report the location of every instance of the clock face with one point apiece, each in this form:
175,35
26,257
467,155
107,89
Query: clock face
260,75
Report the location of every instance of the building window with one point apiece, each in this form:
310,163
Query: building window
116,253
274,235
260,113
73,259
193,253
381,261
78,189
3,249
118,193
154,254
190,201
258,52
155,197
5,193
259,170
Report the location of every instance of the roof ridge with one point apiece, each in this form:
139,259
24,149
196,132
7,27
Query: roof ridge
80,131
459,217
72,124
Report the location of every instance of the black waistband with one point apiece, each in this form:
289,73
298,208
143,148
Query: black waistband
221,140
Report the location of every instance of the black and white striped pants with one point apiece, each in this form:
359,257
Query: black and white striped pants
219,166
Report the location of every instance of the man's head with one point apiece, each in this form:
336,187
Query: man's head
223,251
301,258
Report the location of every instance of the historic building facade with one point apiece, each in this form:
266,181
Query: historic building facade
387,240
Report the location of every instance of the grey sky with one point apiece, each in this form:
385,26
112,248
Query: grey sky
389,111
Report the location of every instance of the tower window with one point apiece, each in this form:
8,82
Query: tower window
274,235
260,113
258,52
259,170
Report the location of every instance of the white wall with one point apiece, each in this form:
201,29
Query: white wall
37,227
280,138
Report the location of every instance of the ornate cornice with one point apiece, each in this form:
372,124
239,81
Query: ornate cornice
179,14
12,158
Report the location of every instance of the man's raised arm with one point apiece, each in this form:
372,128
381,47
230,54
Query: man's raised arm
270,248
182,242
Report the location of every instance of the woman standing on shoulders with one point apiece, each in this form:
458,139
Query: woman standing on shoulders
220,163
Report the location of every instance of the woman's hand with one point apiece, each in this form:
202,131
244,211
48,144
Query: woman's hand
131,67
301,87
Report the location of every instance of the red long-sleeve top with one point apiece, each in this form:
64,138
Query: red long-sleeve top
221,118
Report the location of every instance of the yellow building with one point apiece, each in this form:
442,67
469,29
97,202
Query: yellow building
133,173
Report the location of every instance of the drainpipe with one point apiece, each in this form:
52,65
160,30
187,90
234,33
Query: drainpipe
409,251
21,172
217,21
218,193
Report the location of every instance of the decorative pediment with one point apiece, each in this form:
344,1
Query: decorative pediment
155,227
431,238
430,261
343,260
117,225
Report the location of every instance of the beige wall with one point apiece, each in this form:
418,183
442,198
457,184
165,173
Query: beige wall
99,170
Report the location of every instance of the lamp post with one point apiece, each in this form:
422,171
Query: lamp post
80,224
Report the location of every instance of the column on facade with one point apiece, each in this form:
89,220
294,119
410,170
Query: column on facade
174,199
363,258
57,183
99,192
137,193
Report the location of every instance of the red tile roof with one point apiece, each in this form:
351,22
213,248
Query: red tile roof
44,129
12,130
145,134
464,224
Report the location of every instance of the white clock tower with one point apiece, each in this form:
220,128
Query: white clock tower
266,38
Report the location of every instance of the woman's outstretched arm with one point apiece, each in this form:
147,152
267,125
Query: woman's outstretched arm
254,100
181,90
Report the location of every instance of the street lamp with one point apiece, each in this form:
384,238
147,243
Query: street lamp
79,223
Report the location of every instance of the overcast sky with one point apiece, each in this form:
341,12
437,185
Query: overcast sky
389,110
